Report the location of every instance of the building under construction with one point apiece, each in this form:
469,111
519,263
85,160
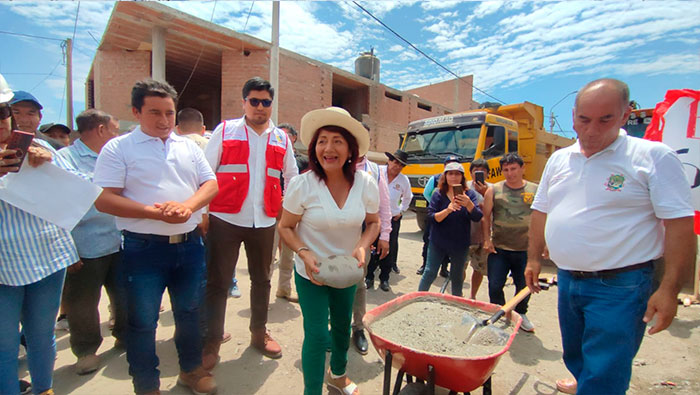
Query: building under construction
144,39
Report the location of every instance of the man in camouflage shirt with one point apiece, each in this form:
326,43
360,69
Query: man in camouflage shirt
512,198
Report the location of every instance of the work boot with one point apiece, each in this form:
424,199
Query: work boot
210,356
360,341
266,344
198,381
87,364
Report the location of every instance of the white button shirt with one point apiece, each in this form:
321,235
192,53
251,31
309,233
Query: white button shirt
252,214
400,194
152,171
605,211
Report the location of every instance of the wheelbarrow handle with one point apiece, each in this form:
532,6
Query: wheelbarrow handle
509,306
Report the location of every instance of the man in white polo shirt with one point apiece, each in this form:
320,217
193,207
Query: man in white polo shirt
248,155
156,184
608,206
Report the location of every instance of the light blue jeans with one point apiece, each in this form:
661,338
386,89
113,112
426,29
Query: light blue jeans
34,306
602,328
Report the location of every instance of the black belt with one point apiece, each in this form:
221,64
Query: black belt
173,239
610,272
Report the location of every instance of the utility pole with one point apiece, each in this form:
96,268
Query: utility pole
69,83
275,57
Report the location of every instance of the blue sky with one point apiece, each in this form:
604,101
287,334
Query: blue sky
517,50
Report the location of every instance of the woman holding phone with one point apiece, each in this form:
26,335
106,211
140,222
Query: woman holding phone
451,210
324,211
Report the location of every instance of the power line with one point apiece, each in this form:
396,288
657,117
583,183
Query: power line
425,54
248,17
47,75
75,24
30,36
201,51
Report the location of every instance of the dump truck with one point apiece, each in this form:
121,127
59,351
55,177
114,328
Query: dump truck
638,121
488,133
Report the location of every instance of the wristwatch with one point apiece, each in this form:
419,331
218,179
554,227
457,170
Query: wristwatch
302,248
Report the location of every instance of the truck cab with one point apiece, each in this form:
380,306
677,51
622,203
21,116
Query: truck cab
487,133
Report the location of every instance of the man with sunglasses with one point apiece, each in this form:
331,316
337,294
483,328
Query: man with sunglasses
607,207
248,155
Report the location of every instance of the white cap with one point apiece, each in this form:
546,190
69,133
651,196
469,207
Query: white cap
5,91
454,166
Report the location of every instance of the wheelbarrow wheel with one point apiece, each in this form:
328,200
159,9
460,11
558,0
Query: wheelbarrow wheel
414,389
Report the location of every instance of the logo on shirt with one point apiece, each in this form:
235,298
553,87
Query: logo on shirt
615,182
528,197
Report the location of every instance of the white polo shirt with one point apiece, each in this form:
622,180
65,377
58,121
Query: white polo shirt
605,212
252,212
152,171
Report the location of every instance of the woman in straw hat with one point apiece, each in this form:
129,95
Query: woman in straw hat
324,212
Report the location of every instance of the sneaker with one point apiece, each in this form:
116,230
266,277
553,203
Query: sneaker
87,364
234,291
62,323
526,325
198,381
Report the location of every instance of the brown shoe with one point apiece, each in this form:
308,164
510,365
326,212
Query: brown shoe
265,344
199,381
289,296
210,356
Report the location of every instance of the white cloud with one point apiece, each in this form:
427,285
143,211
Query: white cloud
439,4
396,48
486,8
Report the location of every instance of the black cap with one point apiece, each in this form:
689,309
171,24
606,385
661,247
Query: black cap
48,126
399,156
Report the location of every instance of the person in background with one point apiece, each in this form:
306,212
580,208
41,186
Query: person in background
34,254
158,212
507,240
380,248
451,214
607,207
98,242
190,124
400,197
56,131
428,190
477,254
324,211
26,113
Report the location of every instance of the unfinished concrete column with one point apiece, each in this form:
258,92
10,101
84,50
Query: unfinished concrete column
158,53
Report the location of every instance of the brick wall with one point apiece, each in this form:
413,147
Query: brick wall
115,73
236,69
303,86
455,94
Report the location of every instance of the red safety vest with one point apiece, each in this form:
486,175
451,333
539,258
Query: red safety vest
233,174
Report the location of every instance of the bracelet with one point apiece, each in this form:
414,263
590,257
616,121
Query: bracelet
302,248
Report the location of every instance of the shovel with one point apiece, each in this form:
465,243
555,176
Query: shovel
484,331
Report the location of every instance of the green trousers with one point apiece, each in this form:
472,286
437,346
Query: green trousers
316,302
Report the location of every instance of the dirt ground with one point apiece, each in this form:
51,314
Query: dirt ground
668,362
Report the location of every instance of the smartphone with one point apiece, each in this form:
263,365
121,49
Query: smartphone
20,142
457,189
479,176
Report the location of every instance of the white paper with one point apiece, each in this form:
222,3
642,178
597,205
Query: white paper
50,193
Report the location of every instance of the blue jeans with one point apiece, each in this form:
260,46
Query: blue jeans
602,328
35,306
499,264
436,255
150,267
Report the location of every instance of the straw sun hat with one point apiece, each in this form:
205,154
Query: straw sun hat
334,116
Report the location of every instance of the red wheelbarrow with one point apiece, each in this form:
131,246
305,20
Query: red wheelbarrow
454,373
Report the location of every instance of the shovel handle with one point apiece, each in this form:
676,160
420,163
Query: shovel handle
510,305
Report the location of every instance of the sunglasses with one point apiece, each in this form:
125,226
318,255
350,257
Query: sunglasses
256,102
5,112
